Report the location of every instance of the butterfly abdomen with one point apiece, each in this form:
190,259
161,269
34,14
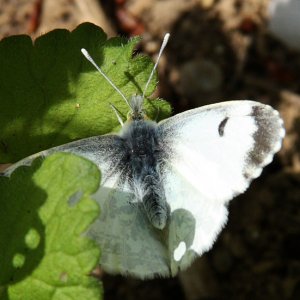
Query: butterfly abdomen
143,159
154,202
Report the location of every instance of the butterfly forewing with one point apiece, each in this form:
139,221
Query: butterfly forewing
220,148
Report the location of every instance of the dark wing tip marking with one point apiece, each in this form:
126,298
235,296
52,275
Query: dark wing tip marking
222,125
267,139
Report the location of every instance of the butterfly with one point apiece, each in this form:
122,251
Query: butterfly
165,186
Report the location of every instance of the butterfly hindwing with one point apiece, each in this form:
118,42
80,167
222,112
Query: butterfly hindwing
128,241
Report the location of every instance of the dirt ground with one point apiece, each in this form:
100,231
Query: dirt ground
219,50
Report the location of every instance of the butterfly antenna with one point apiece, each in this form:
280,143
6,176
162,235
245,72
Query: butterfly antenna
163,46
89,58
117,114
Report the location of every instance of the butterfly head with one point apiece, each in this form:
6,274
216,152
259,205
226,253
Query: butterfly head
136,103
136,109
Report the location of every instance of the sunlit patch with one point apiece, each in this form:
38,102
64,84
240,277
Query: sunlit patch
18,260
32,239
179,251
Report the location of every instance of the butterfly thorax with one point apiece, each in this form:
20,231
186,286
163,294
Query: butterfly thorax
144,156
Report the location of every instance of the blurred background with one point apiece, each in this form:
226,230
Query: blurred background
219,50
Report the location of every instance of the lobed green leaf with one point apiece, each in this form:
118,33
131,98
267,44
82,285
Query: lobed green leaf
50,94
45,209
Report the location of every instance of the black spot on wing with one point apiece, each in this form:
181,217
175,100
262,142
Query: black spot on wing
222,125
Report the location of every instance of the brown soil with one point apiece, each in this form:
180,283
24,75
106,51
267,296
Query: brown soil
219,50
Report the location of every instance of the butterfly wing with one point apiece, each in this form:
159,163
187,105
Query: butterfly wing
129,243
106,151
213,153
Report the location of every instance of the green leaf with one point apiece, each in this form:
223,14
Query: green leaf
45,209
50,94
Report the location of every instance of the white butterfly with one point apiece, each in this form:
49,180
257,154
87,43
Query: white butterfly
165,186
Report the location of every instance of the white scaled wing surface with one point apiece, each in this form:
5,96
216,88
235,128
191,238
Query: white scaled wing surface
213,153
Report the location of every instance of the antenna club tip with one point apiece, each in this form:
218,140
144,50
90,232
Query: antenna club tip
167,36
83,51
